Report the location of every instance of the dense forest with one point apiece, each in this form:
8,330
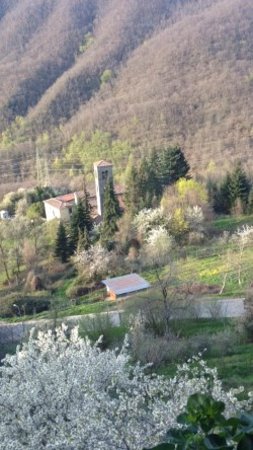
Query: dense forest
139,73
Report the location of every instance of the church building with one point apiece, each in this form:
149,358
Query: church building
61,207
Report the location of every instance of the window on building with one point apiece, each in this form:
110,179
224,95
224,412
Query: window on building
105,175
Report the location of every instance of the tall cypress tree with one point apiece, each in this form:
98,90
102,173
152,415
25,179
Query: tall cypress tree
77,225
154,169
80,221
61,244
172,165
84,241
132,194
87,211
111,215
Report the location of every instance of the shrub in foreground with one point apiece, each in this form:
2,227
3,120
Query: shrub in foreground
61,392
204,426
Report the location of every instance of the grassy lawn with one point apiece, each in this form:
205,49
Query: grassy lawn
190,328
235,369
231,223
75,310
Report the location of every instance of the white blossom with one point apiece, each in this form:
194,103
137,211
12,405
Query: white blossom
244,235
195,217
147,219
62,393
158,245
94,261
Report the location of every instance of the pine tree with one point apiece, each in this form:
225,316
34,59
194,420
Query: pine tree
132,195
61,244
172,165
76,225
239,187
80,221
250,202
154,168
84,242
111,215
222,197
148,183
87,211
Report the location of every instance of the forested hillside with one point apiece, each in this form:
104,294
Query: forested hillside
149,72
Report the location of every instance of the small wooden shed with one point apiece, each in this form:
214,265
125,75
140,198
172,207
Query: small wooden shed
125,285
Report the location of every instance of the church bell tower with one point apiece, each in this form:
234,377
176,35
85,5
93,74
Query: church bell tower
103,173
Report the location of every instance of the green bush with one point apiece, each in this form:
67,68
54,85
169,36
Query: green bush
18,305
101,327
204,426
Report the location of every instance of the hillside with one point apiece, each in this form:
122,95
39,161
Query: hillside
151,72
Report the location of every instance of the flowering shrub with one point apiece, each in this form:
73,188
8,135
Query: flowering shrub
147,219
60,392
194,217
158,245
93,262
244,235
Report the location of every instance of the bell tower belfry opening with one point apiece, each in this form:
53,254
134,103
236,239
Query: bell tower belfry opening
103,173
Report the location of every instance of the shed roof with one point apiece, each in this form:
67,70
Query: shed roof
126,284
102,163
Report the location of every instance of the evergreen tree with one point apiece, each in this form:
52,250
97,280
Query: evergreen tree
149,188
87,211
222,196
239,187
172,165
61,244
84,242
250,202
111,214
80,221
132,195
77,225
154,168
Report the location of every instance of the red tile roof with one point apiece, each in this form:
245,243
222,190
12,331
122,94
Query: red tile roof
68,200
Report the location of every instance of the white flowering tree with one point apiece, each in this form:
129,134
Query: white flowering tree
147,219
243,237
93,262
158,245
195,217
61,392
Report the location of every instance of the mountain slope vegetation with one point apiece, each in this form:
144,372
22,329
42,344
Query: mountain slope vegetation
150,72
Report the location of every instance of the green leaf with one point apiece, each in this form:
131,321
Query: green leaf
216,442
246,421
246,443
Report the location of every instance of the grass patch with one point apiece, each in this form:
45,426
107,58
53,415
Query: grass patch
234,369
231,223
193,327
75,310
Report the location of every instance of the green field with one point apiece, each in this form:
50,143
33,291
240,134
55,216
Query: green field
235,368
231,223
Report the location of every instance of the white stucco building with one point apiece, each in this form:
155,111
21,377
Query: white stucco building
61,207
